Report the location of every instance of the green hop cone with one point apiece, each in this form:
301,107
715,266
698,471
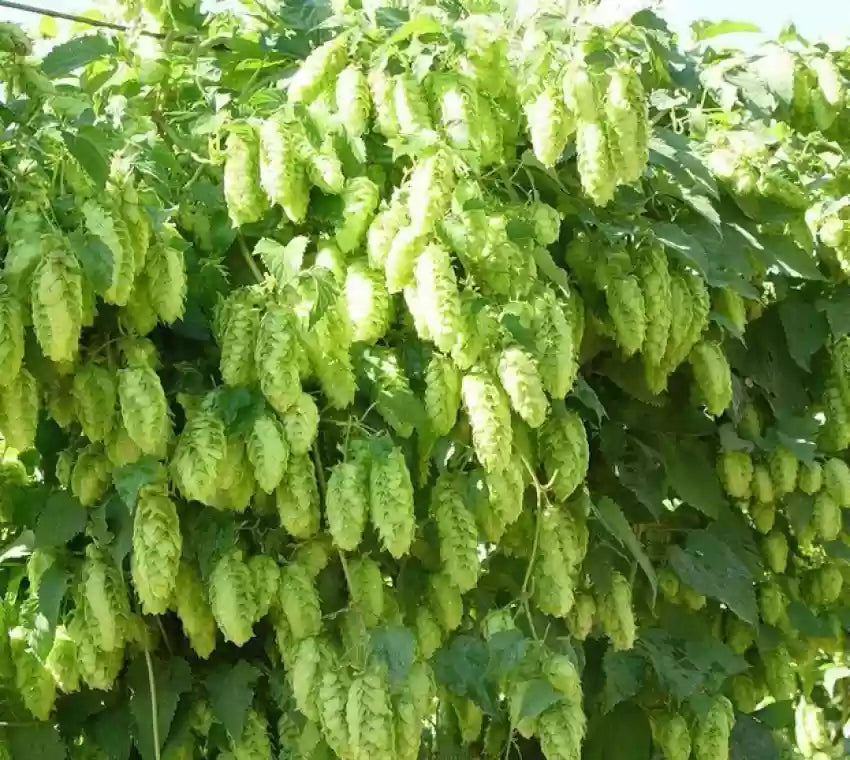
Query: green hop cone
713,376
671,735
391,501
626,112
347,503
616,615
836,481
369,716
33,681
655,281
382,89
561,729
245,200
384,227
283,175
429,192
232,597
826,517
557,347
360,200
780,673
446,602
457,533
200,452
297,498
564,450
254,742
774,549
595,165
549,127
11,335
301,423
331,702
627,311
735,469
410,107
520,376
91,476
580,618
57,302
554,585
268,452
299,601
436,288
104,602
166,276
810,478
783,470
353,100
240,325
193,608
713,731
318,71
19,408
490,419
366,588
266,577
276,357
442,393
113,233
157,546
144,409
62,661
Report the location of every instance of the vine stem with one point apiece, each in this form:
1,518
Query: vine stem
154,708
249,260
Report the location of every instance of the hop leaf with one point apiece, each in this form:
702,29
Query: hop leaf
489,418
113,233
193,608
297,498
57,302
157,546
242,193
347,503
232,597
268,452
391,501
457,532
144,409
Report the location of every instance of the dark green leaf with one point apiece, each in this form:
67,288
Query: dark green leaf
394,647
95,259
752,740
611,516
132,478
40,741
689,465
837,310
111,731
605,741
51,590
837,550
61,519
687,246
705,30
462,666
711,568
776,715
547,265
75,53
90,157
799,508
806,329
538,696
231,690
625,673
171,679
807,622
588,398
506,650
792,259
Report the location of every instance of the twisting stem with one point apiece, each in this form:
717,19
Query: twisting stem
154,708
249,259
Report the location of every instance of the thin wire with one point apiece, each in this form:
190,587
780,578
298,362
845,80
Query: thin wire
78,19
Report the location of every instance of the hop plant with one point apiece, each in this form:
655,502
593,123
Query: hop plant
367,303
113,233
369,716
595,167
713,376
276,358
166,276
553,582
366,588
783,467
826,516
549,126
457,533
240,325
557,347
331,702
520,377
654,276
735,469
442,393
774,549
318,71
626,112
245,200
713,731
671,735
299,601
266,577
436,288
360,200
836,481
254,741
810,478
144,409
91,476
157,546
410,107
297,498
561,730
429,192
11,335
489,418
353,100
105,605
564,450
301,423
200,452
33,681
61,661
232,597
283,175
193,608
616,615
57,302
268,452
19,408
347,503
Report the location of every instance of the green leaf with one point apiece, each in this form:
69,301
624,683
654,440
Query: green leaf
587,397
231,690
505,651
625,673
132,478
807,622
689,465
546,264
836,307
799,508
606,738
95,259
776,69
611,516
323,290
21,547
462,667
51,591
61,519
704,30
111,731
790,258
394,646
537,697
687,246
752,740
172,678
423,23
806,329
90,157
777,715
712,569
75,53
282,261
40,741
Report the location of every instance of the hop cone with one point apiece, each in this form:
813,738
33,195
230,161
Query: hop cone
564,450
347,503
369,716
391,501
276,358
193,608
299,600
360,199
19,407
200,451
283,175
442,393
297,498
457,534
11,336
232,597
57,303
268,452
144,409
242,193
489,418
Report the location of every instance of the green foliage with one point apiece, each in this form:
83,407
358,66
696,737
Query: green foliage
456,379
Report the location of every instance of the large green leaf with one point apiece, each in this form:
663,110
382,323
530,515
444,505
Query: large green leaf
69,56
230,690
689,465
611,516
